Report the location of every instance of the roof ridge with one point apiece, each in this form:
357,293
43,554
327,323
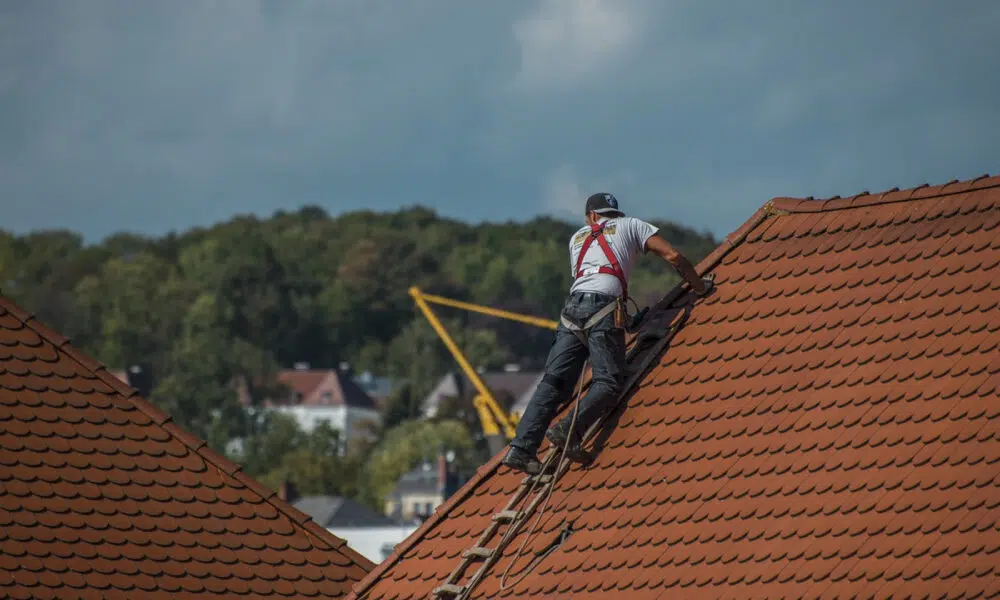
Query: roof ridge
361,588
894,195
167,424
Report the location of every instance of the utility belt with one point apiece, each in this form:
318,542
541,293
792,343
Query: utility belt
581,329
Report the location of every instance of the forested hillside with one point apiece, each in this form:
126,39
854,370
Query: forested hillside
250,296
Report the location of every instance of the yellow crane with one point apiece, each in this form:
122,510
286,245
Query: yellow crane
495,421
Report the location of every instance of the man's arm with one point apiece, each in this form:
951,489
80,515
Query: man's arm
659,246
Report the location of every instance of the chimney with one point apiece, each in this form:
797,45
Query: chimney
346,370
442,474
288,491
140,376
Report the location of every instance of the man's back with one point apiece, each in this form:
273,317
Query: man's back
627,237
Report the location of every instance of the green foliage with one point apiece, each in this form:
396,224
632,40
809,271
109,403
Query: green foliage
408,444
222,309
279,451
311,462
402,405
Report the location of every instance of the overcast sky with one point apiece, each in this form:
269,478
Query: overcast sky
148,116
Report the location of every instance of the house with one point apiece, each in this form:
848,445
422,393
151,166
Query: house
104,495
825,424
526,393
420,491
509,387
332,512
330,395
371,534
378,388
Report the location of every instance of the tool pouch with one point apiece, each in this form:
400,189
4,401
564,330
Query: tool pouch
621,313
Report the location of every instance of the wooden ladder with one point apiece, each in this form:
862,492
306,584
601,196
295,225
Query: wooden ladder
511,516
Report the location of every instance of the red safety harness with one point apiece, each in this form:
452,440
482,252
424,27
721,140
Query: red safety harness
597,233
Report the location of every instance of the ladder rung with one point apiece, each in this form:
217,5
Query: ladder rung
506,515
542,478
448,589
478,552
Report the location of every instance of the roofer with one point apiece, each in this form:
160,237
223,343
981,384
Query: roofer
592,323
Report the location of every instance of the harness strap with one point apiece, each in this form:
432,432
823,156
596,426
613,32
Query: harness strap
581,330
597,232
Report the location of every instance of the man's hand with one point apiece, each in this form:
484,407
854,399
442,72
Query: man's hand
708,282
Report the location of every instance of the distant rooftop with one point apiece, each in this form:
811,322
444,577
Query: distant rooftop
336,511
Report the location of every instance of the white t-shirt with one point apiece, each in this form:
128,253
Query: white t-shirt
627,237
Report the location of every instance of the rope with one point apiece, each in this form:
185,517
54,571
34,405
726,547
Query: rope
548,494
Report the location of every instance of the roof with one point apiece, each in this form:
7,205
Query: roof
338,511
513,383
524,398
102,494
326,387
422,479
507,386
826,422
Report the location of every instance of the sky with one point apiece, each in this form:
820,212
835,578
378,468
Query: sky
147,117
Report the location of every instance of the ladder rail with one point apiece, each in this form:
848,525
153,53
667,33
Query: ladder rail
509,535
507,514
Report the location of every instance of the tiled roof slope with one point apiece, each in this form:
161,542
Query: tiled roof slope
826,424
103,496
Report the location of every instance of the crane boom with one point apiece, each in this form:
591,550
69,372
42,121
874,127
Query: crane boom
486,310
495,421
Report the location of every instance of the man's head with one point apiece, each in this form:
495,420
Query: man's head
601,205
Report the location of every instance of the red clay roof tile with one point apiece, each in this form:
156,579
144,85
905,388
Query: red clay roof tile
826,424
102,495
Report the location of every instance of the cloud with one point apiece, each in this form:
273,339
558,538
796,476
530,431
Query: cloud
564,191
564,43
117,114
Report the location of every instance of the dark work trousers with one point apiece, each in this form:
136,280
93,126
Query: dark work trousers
563,367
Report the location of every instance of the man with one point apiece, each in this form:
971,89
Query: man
592,323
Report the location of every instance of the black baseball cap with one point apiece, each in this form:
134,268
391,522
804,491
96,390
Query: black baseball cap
602,203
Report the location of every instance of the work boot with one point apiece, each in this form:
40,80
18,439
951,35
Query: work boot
522,460
558,435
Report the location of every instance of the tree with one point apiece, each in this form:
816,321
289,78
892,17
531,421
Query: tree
218,311
406,445
418,357
311,462
402,405
199,387
240,269
140,302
